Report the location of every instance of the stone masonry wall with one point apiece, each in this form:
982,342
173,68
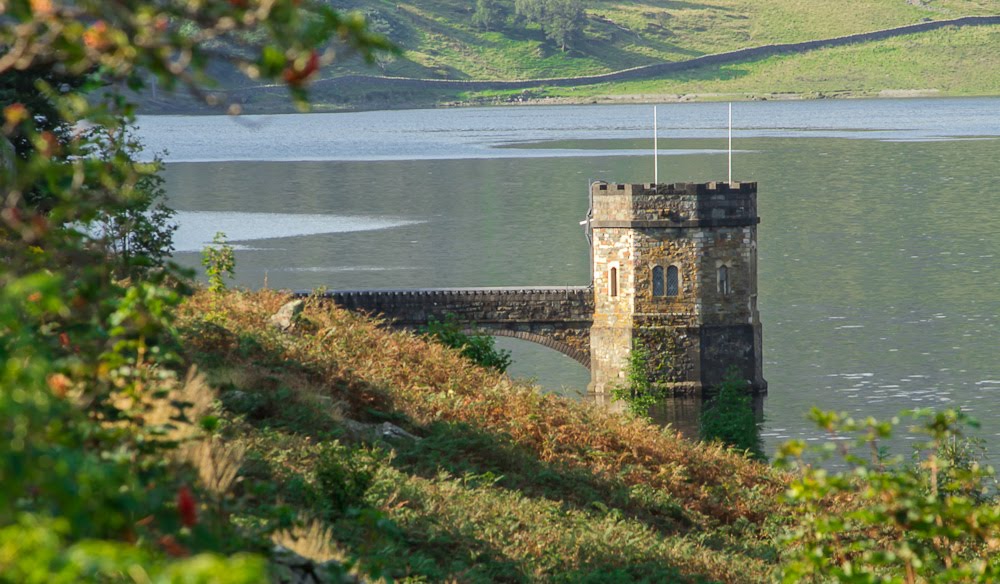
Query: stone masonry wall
695,335
557,317
611,332
678,203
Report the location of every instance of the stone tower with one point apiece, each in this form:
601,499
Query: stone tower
675,269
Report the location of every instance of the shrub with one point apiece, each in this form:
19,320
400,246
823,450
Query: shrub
480,349
219,261
638,392
935,519
728,417
344,476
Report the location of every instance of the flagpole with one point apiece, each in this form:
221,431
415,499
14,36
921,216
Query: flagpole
656,153
730,142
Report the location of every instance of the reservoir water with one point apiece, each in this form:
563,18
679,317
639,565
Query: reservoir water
879,242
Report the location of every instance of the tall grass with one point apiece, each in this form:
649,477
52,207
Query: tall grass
504,484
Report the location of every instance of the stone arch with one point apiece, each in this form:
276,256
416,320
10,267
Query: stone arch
581,357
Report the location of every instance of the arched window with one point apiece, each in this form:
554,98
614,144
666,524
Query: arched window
614,281
724,286
657,281
673,281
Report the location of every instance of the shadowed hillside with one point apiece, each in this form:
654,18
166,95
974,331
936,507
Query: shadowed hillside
668,40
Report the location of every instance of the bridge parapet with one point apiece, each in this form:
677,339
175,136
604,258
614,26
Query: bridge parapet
558,317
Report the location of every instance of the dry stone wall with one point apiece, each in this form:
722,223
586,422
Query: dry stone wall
641,72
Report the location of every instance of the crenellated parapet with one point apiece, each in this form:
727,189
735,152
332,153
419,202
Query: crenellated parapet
677,205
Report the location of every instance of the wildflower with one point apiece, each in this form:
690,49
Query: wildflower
186,507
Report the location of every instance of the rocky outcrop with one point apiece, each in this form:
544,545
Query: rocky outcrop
288,315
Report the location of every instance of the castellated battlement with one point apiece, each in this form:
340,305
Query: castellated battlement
709,188
675,204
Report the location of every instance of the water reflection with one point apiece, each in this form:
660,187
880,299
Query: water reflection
680,413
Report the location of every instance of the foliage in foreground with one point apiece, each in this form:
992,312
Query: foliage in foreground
100,478
934,518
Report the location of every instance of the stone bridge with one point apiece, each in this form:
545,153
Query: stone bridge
558,317
673,270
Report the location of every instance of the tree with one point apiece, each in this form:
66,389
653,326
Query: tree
529,10
561,20
489,14
138,235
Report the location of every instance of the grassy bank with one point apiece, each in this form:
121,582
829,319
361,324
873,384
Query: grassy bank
503,484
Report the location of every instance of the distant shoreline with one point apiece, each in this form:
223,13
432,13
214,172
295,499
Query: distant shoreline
619,99
610,99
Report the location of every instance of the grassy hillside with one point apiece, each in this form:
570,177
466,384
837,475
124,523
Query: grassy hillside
504,484
956,62
438,39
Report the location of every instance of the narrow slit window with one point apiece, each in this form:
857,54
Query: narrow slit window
657,281
614,281
673,281
724,287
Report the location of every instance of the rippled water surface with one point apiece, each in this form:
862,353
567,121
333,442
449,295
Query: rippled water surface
879,240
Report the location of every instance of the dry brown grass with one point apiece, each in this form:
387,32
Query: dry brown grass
162,411
216,462
359,365
313,541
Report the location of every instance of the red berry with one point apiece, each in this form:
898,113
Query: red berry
295,75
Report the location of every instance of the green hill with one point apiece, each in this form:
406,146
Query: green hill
946,62
438,40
